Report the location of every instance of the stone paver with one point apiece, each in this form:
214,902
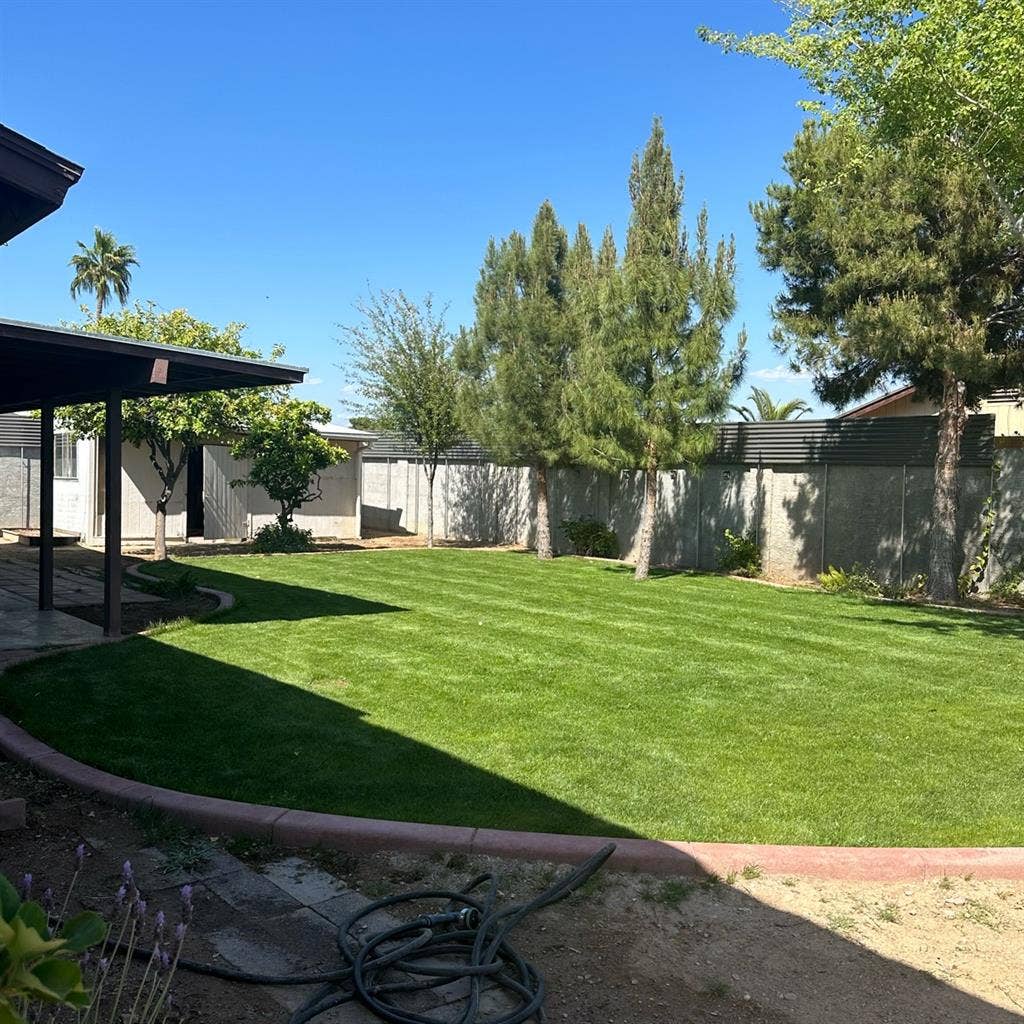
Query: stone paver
71,587
303,881
28,629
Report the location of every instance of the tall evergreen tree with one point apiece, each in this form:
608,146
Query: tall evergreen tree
896,269
653,376
517,358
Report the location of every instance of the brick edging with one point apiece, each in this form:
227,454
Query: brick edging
226,600
311,828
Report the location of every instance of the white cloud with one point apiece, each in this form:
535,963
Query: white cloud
780,372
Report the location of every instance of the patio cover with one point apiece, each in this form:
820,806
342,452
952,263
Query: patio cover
45,367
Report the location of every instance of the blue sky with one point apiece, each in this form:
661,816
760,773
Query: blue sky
271,161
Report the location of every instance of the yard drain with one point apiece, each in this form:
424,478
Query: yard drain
465,940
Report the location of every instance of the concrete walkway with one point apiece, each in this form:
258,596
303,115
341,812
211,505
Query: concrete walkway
279,919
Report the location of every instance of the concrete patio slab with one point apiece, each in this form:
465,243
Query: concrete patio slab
304,882
25,628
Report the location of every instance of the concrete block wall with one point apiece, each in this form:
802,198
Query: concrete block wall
805,517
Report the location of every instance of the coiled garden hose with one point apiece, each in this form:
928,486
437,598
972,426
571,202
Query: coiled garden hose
467,940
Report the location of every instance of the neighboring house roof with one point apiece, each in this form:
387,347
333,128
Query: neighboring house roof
40,364
334,432
33,182
877,406
887,441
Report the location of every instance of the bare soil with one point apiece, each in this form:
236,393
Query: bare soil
135,618
627,948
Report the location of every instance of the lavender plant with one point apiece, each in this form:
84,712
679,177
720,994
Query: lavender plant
95,988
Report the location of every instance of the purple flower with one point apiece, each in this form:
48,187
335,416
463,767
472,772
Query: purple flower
179,933
158,924
25,886
140,910
126,873
103,964
165,960
79,856
186,902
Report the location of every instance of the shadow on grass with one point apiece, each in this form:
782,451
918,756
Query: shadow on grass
945,621
176,718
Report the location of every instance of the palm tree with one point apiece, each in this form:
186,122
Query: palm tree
765,408
103,268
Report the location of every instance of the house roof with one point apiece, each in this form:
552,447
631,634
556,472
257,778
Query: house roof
338,433
878,405
66,366
33,182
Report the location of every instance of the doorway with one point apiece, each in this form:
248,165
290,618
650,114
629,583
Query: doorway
194,504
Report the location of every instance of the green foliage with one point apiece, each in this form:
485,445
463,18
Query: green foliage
590,537
765,408
863,581
971,579
103,268
406,374
516,360
945,74
286,454
1010,585
173,585
894,270
38,966
278,537
170,427
739,554
652,375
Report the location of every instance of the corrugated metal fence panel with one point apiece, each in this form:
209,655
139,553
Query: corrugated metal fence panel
885,441
19,430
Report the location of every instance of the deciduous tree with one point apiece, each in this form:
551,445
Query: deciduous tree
946,76
653,377
407,377
170,427
896,269
287,454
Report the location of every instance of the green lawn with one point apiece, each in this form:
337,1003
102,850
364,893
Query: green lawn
490,689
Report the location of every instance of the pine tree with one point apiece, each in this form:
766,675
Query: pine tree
653,377
896,269
517,358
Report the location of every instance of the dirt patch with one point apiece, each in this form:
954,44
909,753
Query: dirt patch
138,617
627,948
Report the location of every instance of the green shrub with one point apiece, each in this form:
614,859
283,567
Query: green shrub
172,586
275,537
739,554
858,579
590,537
1010,586
863,581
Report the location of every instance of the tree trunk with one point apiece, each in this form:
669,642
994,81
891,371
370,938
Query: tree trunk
160,535
431,471
942,560
643,557
543,514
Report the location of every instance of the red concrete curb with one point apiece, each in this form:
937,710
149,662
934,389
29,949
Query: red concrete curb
311,828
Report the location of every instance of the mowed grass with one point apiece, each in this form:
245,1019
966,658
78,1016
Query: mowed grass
488,689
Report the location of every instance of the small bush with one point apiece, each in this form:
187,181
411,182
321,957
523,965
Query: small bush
858,579
1010,586
172,586
863,581
275,537
739,554
590,537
